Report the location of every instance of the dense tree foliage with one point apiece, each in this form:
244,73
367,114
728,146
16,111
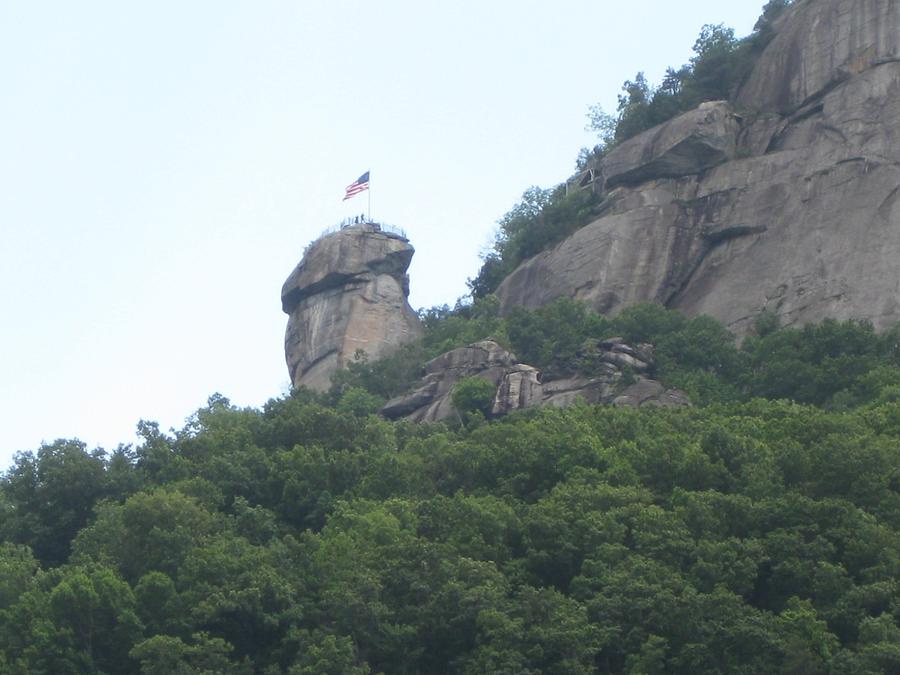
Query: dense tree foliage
747,535
542,219
720,64
757,532
833,364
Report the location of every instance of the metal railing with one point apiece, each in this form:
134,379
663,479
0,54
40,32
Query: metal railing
356,221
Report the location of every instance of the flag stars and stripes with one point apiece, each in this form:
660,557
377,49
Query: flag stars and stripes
359,185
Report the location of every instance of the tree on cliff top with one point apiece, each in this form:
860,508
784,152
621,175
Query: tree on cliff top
720,64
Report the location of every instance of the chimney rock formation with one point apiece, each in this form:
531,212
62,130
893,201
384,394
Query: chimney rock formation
349,292
787,200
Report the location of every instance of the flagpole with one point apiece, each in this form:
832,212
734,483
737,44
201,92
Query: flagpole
370,197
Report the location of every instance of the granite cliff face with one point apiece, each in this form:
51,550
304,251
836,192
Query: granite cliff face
349,292
786,200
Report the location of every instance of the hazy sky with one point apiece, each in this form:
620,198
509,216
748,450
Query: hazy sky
163,165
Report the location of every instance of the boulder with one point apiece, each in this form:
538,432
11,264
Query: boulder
621,355
431,400
563,392
651,393
479,357
685,145
348,293
520,386
639,393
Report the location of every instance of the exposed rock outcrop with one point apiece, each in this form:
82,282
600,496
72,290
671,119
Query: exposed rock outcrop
431,400
788,201
519,385
819,44
691,143
349,292
646,392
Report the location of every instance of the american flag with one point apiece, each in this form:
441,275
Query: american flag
357,186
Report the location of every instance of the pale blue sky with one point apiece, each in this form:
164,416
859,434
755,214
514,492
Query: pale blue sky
163,165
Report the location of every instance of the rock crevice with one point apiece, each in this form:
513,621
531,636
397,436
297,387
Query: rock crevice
519,385
715,210
348,293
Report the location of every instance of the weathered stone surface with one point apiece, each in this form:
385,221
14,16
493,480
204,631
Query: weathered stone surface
348,293
626,256
804,220
650,393
408,404
621,355
520,385
432,399
477,357
568,391
670,398
828,195
520,388
688,144
819,44
640,392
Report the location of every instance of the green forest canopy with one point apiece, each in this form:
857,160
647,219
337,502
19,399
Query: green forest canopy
757,532
833,364
744,535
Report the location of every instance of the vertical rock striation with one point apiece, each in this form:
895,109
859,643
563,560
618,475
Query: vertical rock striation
787,200
817,46
348,293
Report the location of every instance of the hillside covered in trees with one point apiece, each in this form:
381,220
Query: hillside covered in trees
756,533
